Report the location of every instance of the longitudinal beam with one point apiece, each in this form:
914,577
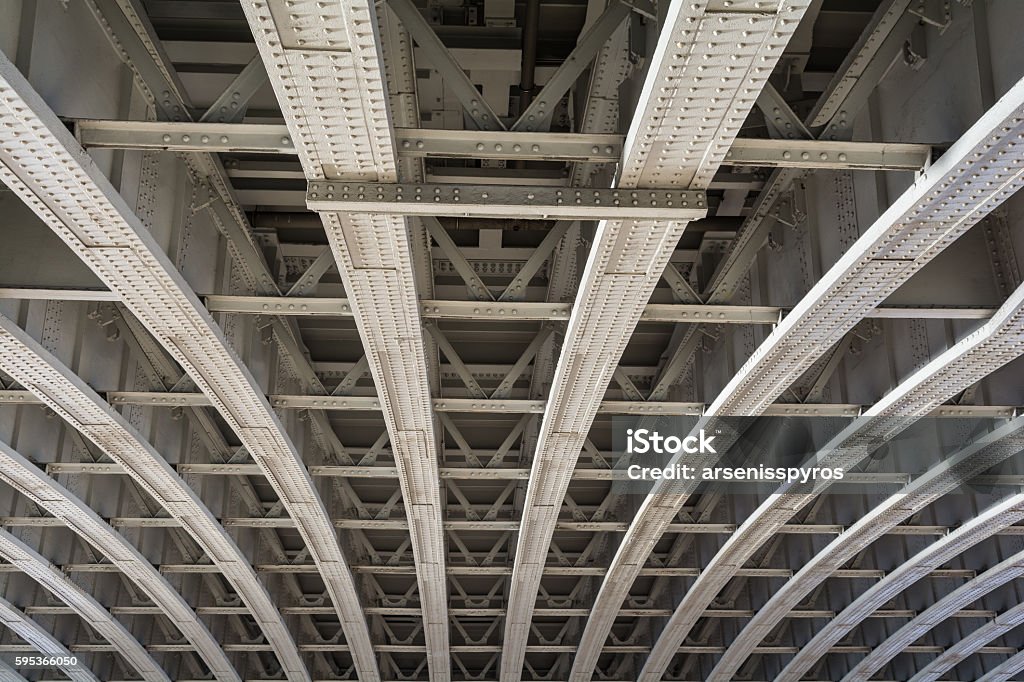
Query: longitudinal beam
980,171
716,59
941,479
44,165
324,62
984,525
27,362
48,494
968,593
42,641
37,567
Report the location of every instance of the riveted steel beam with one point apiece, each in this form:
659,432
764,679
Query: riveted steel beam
509,406
986,524
499,201
39,568
479,144
255,138
342,126
820,154
461,525
979,172
511,310
997,576
440,58
230,106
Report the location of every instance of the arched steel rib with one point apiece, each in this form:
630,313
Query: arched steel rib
43,641
669,145
341,128
47,168
28,363
966,594
967,362
971,179
984,525
941,479
48,494
36,566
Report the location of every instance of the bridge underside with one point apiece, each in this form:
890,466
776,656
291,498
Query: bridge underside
320,322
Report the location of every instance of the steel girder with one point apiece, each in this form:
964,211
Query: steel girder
41,641
268,138
45,166
473,524
685,122
995,577
506,308
492,571
972,178
325,64
22,475
133,37
924,490
986,523
668,145
22,358
36,566
879,44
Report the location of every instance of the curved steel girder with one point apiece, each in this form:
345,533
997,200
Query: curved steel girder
341,128
43,641
984,525
669,149
940,480
967,362
36,566
964,185
22,475
44,165
25,360
993,578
